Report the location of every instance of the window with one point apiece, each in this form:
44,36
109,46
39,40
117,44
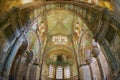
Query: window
59,73
51,72
67,72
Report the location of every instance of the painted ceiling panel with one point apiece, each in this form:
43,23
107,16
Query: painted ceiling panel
59,23
59,29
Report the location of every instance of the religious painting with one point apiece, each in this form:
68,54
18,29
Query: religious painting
91,18
48,6
88,16
31,37
71,7
81,10
39,21
42,29
84,13
31,15
36,46
75,8
36,13
33,42
56,6
66,6
42,8
78,9
52,6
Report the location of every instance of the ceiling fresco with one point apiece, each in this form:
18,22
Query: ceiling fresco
110,4
59,23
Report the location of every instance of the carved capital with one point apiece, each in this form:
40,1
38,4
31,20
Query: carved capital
95,52
89,60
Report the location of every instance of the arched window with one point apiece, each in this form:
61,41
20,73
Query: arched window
67,72
51,72
59,72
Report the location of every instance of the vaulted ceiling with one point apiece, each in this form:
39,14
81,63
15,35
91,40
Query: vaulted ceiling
60,22
7,4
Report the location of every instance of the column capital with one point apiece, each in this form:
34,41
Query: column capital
95,52
89,60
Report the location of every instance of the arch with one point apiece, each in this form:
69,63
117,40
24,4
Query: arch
15,61
63,47
93,13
